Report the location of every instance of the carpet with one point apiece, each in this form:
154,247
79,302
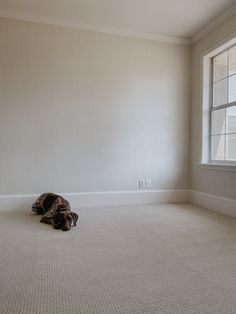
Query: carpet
130,259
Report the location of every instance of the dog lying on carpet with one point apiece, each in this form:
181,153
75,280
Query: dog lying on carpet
55,210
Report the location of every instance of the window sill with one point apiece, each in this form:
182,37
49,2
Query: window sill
218,166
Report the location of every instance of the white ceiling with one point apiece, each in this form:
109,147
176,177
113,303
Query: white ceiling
176,18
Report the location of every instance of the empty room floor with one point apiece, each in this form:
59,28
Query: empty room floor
130,259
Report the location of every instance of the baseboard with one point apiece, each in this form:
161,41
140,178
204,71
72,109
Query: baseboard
99,199
219,204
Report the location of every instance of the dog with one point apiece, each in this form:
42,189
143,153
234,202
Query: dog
55,210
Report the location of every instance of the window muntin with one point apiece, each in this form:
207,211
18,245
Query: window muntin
223,107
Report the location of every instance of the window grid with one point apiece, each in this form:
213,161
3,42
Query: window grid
220,107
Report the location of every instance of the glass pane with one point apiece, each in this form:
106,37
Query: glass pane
232,60
232,88
218,147
231,119
220,66
218,122
220,93
231,147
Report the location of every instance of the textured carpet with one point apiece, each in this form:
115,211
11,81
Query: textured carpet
134,259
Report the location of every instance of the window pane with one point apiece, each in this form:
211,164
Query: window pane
218,122
231,119
232,60
220,66
232,88
218,147
220,93
231,147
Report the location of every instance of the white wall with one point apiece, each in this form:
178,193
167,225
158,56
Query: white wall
83,111
221,183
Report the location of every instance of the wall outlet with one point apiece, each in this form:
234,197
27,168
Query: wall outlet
145,184
148,183
142,183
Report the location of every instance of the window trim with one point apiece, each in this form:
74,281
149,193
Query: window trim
217,166
206,96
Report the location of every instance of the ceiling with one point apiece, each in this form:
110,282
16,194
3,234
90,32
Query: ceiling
175,18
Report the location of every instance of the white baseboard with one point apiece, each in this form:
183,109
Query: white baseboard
99,199
219,204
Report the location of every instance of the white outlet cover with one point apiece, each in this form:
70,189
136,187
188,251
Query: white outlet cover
147,183
142,184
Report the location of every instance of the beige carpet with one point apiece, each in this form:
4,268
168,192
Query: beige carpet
135,259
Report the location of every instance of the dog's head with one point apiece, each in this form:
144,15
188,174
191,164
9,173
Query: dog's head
65,220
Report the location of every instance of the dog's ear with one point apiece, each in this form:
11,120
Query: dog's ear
58,221
67,220
75,217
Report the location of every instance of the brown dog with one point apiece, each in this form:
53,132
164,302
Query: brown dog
55,210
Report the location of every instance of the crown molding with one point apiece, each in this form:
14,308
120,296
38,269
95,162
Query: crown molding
94,28
122,32
216,22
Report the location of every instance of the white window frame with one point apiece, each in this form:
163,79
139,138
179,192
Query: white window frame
206,162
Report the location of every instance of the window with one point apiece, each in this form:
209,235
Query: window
219,106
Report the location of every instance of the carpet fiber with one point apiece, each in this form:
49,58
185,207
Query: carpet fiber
129,259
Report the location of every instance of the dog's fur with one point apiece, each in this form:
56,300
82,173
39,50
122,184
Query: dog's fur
55,210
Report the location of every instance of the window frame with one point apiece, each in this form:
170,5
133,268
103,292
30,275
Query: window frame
208,108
